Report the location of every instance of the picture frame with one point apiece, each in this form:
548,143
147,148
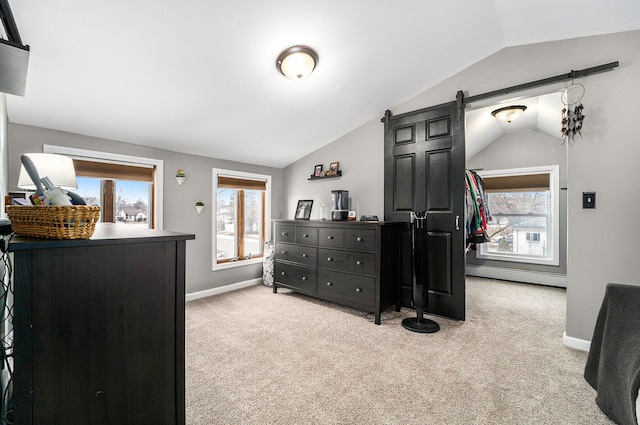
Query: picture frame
351,216
303,210
318,171
333,168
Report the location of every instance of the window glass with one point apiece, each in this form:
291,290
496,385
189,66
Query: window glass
133,202
520,224
253,223
89,188
226,247
133,205
519,202
519,220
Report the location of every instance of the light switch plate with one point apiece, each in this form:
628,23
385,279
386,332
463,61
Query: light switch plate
588,200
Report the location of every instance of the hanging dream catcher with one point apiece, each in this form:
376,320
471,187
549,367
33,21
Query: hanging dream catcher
572,116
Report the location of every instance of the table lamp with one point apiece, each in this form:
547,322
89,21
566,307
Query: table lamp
58,168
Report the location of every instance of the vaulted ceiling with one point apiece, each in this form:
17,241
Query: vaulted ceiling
199,76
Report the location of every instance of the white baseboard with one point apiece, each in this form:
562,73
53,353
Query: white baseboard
517,275
222,289
577,343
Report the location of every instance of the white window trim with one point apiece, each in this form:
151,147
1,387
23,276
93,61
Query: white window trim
553,259
115,158
214,196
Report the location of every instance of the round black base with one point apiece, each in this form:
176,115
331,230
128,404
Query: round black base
425,326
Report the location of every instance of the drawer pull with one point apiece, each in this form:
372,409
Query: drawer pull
359,239
329,237
304,235
358,263
358,290
329,259
304,278
284,233
329,284
283,273
304,256
284,252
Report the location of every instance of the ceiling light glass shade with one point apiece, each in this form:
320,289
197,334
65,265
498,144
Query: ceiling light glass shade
509,113
58,168
297,62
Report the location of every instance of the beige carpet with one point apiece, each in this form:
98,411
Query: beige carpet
254,357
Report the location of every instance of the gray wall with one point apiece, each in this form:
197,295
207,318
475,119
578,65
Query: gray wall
519,150
601,242
179,214
361,159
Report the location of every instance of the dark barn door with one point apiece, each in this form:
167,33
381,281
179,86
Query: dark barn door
424,164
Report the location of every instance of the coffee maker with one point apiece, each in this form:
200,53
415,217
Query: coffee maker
339,205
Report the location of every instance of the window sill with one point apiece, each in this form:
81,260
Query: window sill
518,259
234,264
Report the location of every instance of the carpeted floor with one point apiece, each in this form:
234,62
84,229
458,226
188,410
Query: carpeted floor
254,357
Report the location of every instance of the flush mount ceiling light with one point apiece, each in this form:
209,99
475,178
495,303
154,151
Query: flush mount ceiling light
297,62
509,113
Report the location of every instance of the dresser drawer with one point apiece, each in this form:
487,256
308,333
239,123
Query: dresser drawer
285,233
300,277
347,287
334,259
331,237
363,263
306,235
298,254
360,239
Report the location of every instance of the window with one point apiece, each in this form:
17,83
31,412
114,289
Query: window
125,187
124,192
524,205
533,237
241,205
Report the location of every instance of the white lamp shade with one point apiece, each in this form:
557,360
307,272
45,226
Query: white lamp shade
58,168
298,66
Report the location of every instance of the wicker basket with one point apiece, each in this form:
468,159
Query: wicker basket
54,222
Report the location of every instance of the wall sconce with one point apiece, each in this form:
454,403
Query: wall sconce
297,62
199,206
180,176
509,113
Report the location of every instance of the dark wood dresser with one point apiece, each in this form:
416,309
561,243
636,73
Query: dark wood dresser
353,263
99,328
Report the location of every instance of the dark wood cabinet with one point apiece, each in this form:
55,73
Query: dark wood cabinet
348,262
99,328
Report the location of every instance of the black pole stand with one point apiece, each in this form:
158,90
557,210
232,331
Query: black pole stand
420,283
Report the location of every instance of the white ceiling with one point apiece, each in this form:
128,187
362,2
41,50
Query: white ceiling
543,113
199,76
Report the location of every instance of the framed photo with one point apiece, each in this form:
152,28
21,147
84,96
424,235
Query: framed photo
333,168
318,170
351,216
303,211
